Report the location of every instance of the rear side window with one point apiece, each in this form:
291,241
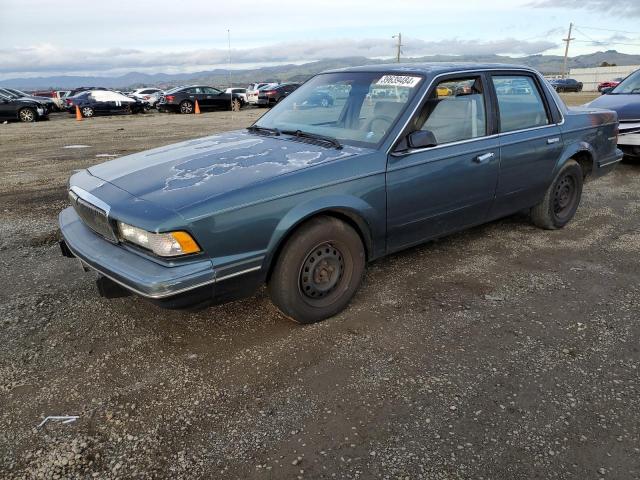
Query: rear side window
520,103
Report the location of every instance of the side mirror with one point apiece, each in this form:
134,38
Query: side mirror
606,91
421,139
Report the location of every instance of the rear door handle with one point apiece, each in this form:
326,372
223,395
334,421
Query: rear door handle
552,140
484,157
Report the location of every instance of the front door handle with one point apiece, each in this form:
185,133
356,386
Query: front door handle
484,157
552,140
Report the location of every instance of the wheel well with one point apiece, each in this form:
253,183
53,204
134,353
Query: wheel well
350,218
585,161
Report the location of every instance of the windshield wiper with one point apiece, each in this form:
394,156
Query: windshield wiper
259,129
314,136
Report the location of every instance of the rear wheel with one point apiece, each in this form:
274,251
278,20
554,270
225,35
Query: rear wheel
87,112
27,115
561,199
186,107
318,271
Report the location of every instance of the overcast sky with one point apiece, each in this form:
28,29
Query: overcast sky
41,38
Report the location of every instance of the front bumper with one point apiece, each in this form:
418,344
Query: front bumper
140,275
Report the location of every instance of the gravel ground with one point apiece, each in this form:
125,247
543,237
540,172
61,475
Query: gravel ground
504,352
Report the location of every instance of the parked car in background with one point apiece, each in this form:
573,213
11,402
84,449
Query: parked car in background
183,99
609,84
319,98
305,197
150,95
241,92
21,108
566,85
269,96
253,91
46,102
77,90
625,100
154,98
103,102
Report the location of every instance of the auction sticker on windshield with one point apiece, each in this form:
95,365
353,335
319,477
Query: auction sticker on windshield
399,81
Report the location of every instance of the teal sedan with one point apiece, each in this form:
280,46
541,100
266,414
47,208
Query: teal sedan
303,199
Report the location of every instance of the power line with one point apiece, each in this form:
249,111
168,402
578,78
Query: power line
606,29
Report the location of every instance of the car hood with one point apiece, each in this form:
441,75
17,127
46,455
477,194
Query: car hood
626,106
182,174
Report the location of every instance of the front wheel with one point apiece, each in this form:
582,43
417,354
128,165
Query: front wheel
318,270
235,105
87,112
561,199
27,115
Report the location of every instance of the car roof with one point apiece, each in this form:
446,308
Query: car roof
430,68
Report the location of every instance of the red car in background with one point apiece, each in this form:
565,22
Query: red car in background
609,84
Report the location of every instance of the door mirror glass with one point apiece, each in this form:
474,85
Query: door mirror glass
421,139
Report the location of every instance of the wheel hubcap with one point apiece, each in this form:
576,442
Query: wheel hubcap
186,108
87,112
27,115
322,271
564,195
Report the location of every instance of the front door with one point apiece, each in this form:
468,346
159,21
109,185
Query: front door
435,190
530,143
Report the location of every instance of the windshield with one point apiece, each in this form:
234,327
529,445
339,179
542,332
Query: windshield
356,108
631,84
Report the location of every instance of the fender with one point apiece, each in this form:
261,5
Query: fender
369,220
571,150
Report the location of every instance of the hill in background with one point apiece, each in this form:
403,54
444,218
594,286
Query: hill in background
297,73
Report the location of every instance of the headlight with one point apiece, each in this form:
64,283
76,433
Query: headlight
171,244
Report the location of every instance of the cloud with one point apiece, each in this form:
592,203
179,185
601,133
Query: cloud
47,58
621,8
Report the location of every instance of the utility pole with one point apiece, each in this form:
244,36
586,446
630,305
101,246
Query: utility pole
229,68
566,50
398,46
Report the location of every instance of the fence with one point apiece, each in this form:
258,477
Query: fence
591,77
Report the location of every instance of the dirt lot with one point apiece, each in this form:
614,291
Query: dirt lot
505,352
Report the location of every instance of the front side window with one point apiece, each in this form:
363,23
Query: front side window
630,85
356,108
210,91
455,111
520,103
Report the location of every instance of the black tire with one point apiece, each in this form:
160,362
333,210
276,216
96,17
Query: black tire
87,112
186,106
27,115
562,198
318,270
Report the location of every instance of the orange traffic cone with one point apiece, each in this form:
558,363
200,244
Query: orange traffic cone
78,114
197,111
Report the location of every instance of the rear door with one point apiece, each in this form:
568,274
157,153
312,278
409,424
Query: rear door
440,189
530,142
195,93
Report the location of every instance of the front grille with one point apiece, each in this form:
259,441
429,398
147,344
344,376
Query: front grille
93,217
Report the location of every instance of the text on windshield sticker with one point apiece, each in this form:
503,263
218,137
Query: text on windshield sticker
399,81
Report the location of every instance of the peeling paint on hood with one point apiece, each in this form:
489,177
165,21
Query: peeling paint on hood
181,174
